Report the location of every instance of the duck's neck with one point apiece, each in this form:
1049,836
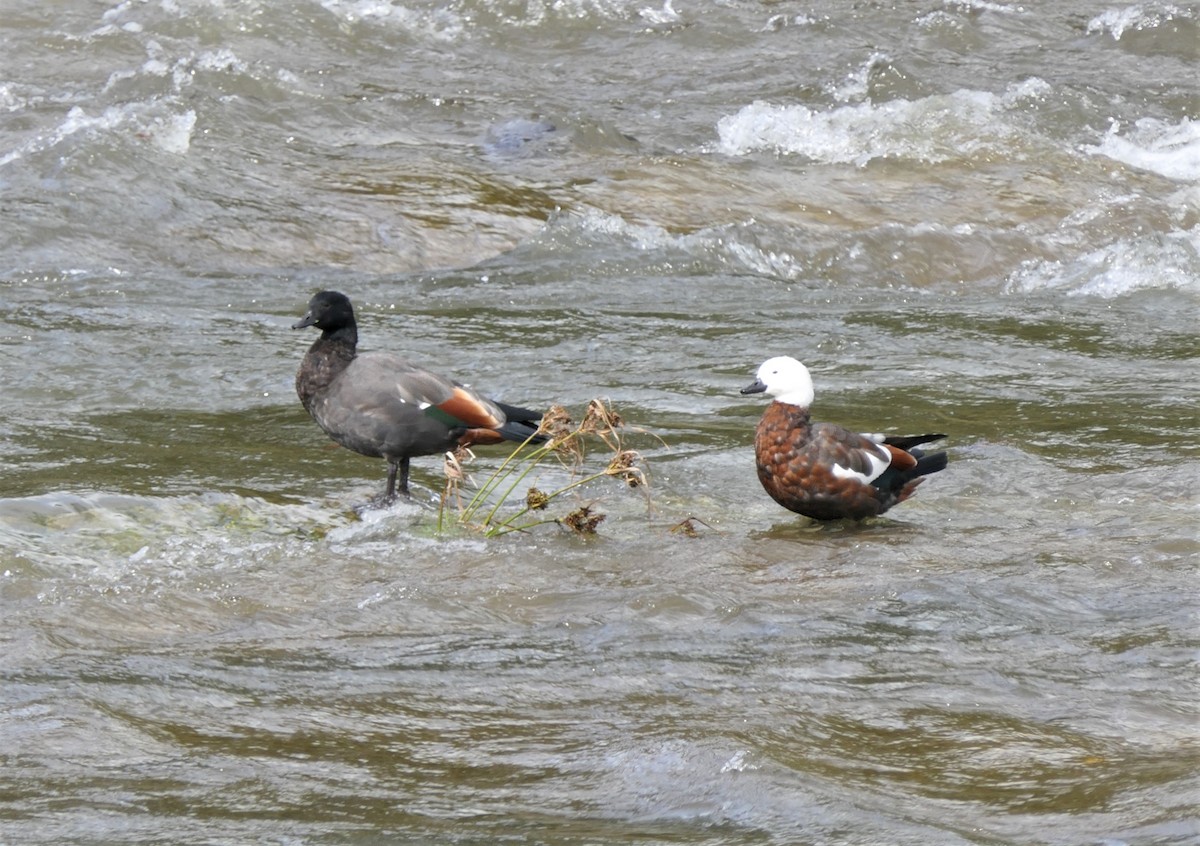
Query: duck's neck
346,336
783,422
792,411
325,360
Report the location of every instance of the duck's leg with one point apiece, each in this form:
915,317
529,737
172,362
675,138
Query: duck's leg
404,476
389,495
396,468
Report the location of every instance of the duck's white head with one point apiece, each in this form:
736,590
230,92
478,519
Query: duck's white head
785,379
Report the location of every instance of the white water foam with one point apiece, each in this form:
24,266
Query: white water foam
1170,150
171,132
440,24
857,85
158,119
659,17
985,6
732,245
1154,262
105,537
932,129
1117,22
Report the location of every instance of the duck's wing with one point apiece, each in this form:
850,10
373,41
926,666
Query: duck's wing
395,387
850,455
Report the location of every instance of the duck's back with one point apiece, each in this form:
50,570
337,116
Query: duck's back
796,463
378,405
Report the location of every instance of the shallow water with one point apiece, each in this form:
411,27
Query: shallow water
976,218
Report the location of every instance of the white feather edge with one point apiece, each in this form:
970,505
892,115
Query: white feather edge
879,463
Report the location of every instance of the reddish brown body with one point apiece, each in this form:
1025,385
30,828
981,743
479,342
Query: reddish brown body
796,460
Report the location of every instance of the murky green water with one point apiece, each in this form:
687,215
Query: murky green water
203,637
205,642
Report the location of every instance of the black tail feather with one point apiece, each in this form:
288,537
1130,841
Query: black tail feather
895,480
927,464
907,442
521,424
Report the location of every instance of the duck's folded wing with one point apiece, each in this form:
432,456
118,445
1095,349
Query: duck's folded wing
851,455
395,381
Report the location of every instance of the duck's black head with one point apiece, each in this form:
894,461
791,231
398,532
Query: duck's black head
329,311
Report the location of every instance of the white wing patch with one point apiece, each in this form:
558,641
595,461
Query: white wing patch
879,463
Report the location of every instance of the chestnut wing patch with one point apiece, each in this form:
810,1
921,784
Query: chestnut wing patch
463,408
400,384
901,460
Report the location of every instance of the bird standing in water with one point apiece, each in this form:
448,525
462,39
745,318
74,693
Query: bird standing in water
384,406
824,471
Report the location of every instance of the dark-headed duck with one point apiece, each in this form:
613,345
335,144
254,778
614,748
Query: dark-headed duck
384,406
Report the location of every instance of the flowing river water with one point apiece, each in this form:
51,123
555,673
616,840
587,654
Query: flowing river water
977,218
